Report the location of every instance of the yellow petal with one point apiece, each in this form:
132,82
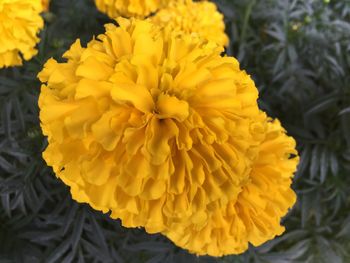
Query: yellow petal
172,107
132,94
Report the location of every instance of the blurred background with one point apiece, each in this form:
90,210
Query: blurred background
298,53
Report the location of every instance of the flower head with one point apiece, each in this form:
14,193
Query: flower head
201,18
166,134
154,129
20,21
254,215
131,8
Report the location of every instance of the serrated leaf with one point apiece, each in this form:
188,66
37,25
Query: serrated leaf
96,229
324,164
6,166
334,164
315,162
305,157
321,105
77,229
58,252
69,218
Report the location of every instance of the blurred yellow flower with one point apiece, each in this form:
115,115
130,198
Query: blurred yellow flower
202,18
163,132
254,215
20,22
131,8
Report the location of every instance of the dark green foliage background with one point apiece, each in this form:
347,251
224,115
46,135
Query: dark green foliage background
297,51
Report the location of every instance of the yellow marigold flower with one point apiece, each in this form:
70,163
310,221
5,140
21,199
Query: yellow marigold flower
202,18
20,21
156,129
166,134
254,216
131,8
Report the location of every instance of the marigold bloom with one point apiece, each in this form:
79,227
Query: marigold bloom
20,21
157,128
202,18
254,216
131,8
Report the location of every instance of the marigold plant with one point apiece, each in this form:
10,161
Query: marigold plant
201,18
20,22
159,129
